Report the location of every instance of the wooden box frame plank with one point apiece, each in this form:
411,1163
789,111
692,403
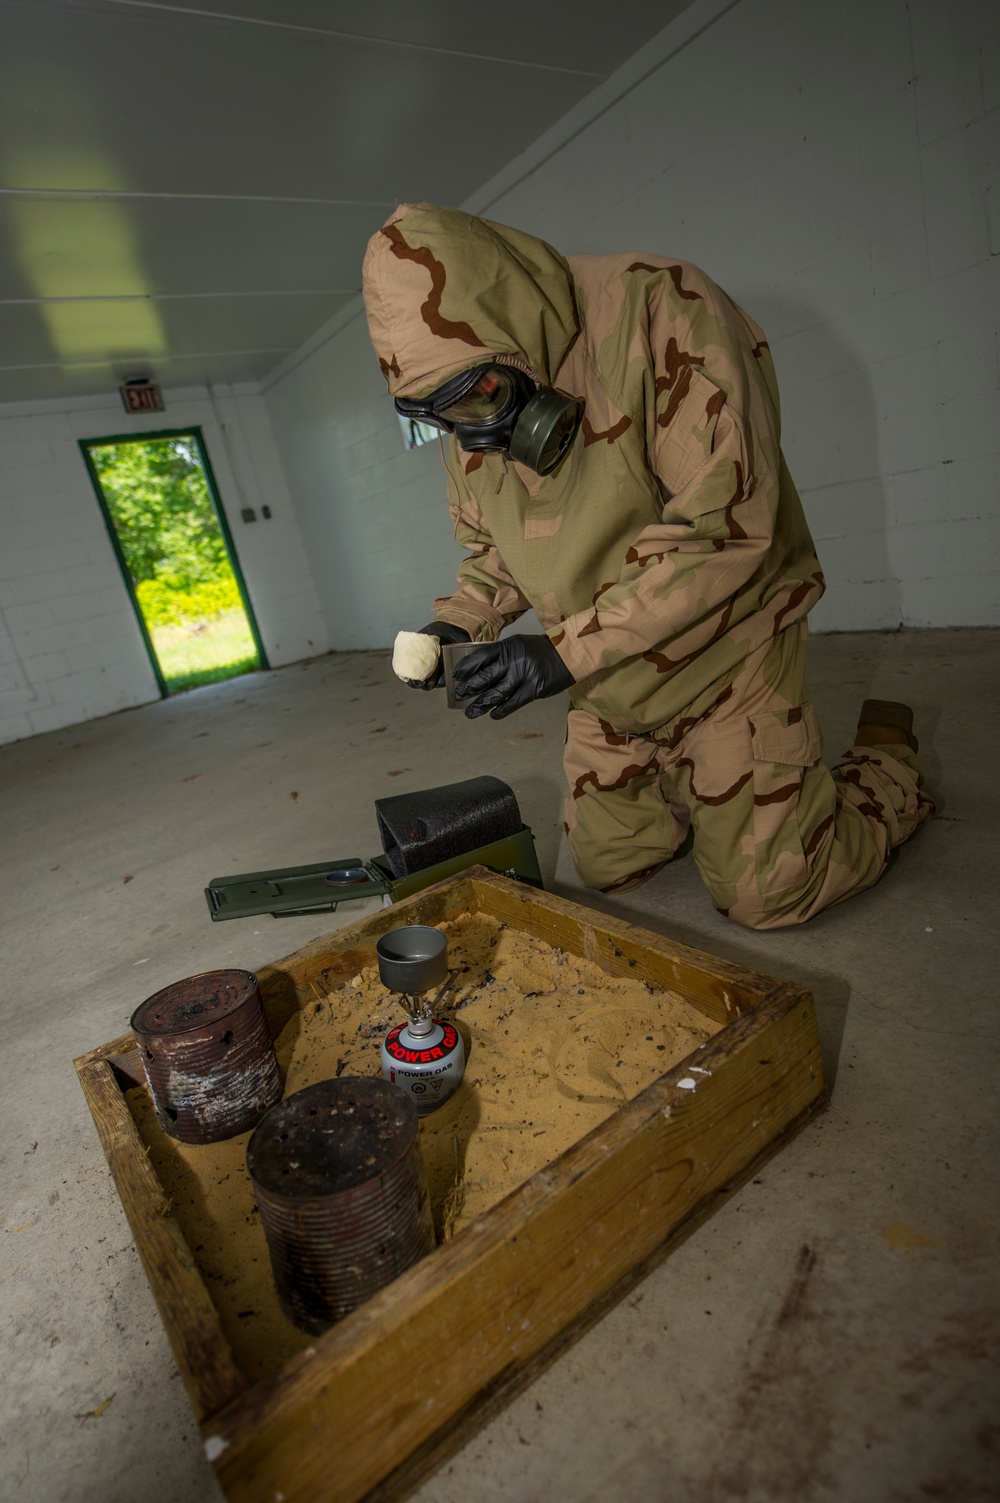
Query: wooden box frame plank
378,1402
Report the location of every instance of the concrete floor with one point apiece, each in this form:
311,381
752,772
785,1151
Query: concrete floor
744,1367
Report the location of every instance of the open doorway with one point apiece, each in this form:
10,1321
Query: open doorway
162,512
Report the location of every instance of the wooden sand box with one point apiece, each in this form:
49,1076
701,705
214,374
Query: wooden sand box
368,1410
554,1046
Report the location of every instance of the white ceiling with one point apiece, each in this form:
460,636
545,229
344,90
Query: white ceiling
186,189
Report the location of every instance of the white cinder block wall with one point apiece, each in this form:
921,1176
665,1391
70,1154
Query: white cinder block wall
835,168
70,647
372,512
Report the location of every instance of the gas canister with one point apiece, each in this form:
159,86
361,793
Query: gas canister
425,1057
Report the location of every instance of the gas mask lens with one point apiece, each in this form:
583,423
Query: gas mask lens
476,398
488,401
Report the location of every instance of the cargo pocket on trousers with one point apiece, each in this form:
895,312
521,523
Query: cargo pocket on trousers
784,744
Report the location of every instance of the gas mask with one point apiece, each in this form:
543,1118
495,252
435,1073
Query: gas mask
499,409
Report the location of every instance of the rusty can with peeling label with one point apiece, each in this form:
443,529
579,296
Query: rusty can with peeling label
339,1179
207,1054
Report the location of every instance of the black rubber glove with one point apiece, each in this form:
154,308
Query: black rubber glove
445,632
501,677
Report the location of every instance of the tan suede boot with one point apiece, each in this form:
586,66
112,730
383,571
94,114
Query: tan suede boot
883,722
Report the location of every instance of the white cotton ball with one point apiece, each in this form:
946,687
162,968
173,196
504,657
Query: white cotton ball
415,655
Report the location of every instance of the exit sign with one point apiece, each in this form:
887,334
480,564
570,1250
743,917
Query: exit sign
142,396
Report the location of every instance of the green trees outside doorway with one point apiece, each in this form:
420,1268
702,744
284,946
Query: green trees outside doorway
158,500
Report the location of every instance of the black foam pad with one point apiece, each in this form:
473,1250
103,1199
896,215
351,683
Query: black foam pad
420,829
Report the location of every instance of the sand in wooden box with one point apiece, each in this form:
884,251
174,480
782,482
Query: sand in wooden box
554,1046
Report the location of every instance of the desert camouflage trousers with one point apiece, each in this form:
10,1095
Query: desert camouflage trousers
777,836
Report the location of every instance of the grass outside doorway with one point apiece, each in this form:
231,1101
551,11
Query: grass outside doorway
204,652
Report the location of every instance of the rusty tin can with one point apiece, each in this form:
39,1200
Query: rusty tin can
207,1054
339,1177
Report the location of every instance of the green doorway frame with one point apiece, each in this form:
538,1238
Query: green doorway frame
194,431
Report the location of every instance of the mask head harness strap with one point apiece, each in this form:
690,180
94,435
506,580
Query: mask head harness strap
500,409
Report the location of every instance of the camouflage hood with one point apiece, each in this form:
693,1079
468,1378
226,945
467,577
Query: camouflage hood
445,290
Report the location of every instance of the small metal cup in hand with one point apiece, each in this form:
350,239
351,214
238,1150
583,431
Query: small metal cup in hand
451,652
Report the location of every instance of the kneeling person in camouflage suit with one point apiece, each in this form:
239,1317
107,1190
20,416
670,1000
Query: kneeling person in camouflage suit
614,461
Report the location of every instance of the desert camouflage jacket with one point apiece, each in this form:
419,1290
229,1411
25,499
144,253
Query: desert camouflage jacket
670,541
